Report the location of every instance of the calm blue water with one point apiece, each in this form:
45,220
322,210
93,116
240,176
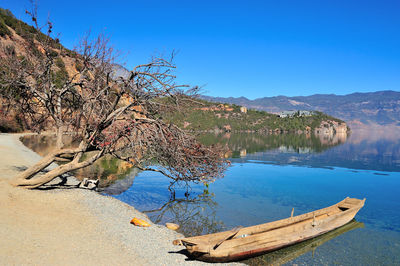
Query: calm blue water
269,176
265,185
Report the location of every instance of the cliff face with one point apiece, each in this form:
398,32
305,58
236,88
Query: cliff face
331,127
332,132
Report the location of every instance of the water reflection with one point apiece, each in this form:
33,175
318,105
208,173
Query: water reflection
196,215
107,169
45,143
365,149
270,175
360,151
243,144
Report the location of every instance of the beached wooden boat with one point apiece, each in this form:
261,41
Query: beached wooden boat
241,243
287,254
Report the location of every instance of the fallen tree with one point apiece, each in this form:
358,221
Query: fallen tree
107,114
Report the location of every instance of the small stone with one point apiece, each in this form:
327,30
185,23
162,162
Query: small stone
89,184
172,226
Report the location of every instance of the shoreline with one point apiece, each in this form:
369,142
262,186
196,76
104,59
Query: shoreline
73,226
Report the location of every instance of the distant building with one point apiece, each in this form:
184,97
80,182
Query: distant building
243,109
306,113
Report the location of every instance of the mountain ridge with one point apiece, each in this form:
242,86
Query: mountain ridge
379,107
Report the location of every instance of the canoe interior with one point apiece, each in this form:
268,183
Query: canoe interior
254,240
287,254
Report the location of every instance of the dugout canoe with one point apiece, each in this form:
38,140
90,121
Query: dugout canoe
242,243
287,254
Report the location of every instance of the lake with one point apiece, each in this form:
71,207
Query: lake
270,175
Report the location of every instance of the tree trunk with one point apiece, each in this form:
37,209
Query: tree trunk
37,182
60,133
42,164
39,166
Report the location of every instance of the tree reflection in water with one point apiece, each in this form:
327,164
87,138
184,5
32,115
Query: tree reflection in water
196,214
241,144
107,169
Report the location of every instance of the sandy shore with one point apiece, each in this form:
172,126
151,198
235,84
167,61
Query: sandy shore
72,226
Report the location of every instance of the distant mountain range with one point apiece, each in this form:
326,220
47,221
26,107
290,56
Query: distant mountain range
381,107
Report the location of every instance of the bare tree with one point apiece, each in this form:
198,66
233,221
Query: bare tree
120,116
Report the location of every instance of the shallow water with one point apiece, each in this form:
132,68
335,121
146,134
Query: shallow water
265,185
269,176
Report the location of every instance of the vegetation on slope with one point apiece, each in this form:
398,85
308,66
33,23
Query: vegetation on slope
381,107
27,32
23,40
202,115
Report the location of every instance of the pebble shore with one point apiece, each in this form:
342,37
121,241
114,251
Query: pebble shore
73,226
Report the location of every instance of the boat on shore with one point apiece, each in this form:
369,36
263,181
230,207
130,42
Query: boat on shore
287,254
242,243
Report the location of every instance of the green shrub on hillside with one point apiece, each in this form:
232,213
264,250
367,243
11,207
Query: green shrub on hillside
6,12
3,28
24,30
61,75
194,118
59,63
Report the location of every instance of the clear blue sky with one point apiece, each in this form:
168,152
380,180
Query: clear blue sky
247,48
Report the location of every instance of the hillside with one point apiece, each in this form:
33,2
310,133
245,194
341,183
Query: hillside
198,115
24,41
381,107
17,38
201,115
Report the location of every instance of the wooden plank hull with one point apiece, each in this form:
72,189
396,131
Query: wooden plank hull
256,240
287,254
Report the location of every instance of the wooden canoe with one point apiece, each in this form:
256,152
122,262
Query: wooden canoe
287,254
241,243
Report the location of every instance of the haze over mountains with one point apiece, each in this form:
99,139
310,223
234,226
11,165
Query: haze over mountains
381,107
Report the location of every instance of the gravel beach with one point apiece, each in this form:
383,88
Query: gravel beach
73,226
